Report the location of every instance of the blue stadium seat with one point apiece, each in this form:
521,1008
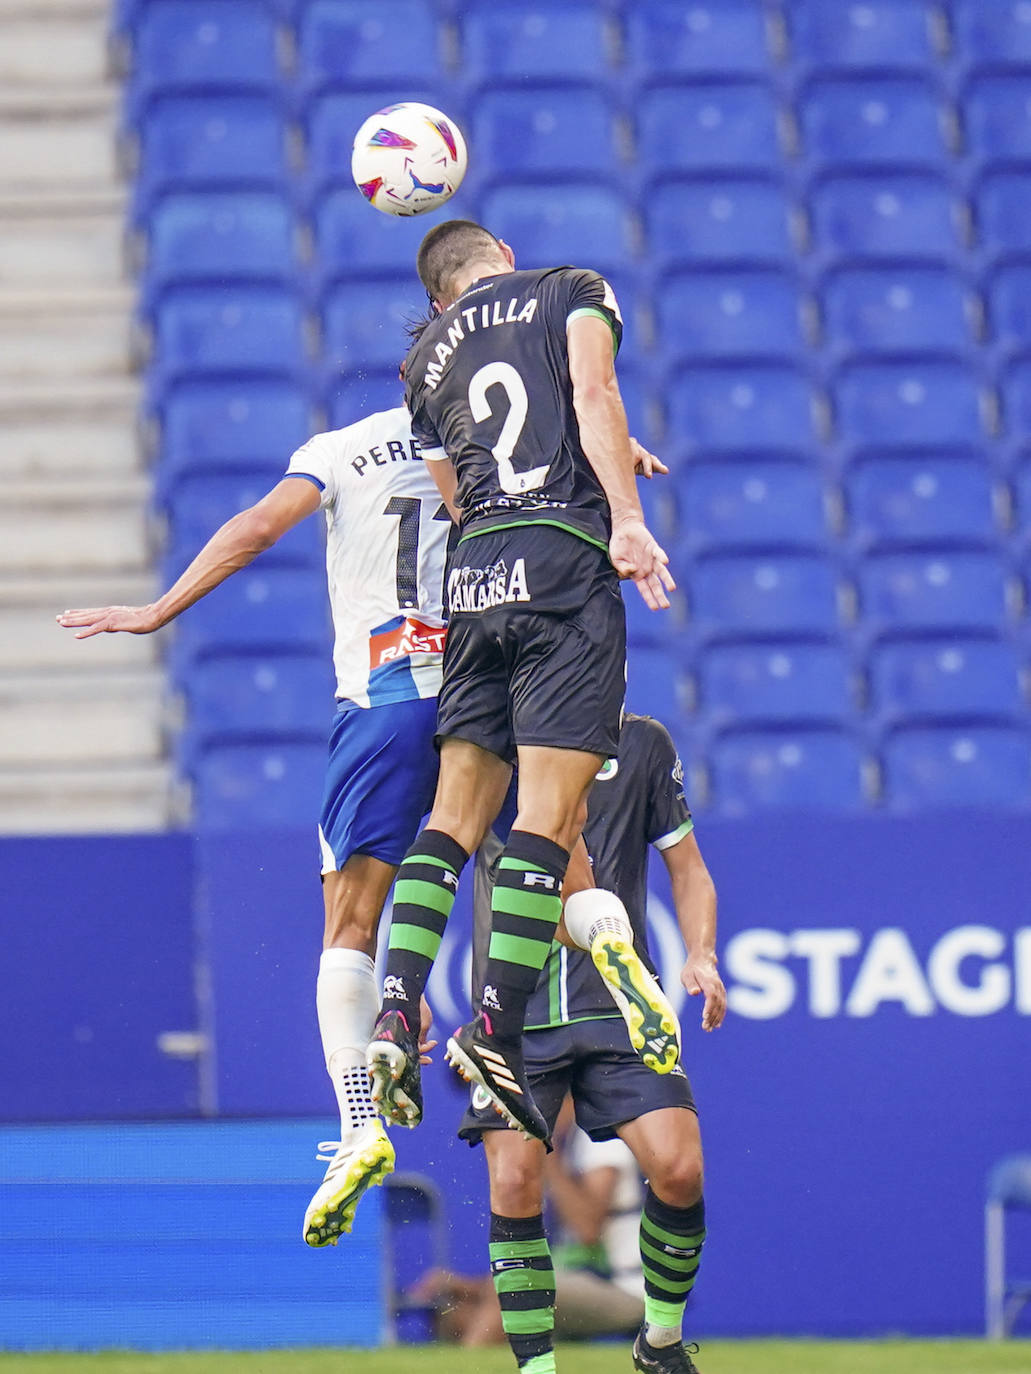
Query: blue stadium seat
730,315
364,322
739,408
1016,400
1022,491
963,766
227,329
891,122
946,679
533,42
733,220
789,683
758,504
248,786
199,503
221,236
891,215
811,770
351,242
652,629
655,683
211,142
996,34
588,226
1009,308
360,393
1002,207
260,609
698,40
758,595
881,35
896,310
550,131
709,127
181,45
231,424
247,695
331,121
349,43
934,592
905,404
926,500
997,118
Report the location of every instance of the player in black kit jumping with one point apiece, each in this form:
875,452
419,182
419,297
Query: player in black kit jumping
514,402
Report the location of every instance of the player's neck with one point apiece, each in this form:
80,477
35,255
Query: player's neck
475,272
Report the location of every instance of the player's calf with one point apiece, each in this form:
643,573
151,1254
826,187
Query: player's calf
597,920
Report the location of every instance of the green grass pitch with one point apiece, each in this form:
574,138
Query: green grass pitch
716,1357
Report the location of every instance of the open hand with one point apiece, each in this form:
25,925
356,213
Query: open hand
636,554
106,620
700,975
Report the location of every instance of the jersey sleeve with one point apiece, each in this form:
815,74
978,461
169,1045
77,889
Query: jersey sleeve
590,294
423,429
669,816
315,461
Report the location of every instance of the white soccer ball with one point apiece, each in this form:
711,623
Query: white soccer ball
408,159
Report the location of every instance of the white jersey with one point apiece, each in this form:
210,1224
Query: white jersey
387,533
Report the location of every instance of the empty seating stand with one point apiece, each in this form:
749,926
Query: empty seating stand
817,221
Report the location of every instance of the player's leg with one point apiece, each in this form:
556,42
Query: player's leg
597,921
667,1145
526,903
347,999
380,779
471,788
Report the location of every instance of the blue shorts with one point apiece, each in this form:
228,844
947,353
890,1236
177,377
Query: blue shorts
595,1062
380,781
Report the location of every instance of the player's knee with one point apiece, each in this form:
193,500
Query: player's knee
515,1187
678,1178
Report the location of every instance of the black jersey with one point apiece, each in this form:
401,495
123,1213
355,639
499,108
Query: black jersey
636,802
488,384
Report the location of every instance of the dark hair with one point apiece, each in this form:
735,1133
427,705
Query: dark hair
415,328
447,248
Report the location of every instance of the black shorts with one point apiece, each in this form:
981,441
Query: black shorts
594,1061
536,646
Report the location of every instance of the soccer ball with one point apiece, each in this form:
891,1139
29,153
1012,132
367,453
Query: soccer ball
408,159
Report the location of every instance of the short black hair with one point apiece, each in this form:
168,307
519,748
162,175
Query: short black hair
447,248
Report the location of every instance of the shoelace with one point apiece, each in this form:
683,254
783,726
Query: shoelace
333,1146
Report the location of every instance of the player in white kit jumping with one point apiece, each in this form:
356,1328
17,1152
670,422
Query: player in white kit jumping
387,534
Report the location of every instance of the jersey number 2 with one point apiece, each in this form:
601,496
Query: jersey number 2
409,509
505,376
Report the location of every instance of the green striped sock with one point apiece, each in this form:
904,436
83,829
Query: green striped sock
520,1264
671,1248
424,894
525,907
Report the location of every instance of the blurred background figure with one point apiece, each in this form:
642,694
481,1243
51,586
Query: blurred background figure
594,1195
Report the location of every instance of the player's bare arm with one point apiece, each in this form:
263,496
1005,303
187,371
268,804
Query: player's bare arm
232,547
605,440
694,899
442,470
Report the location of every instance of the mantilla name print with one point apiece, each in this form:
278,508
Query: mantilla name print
479,589
476,317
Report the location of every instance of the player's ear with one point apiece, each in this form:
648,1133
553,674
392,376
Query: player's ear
507,253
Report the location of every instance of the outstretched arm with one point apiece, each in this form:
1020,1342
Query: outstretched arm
694,897
237,543
606,444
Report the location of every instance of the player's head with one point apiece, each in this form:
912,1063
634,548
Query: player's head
453,250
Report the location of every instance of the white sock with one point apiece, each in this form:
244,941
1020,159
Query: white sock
347,1000
594,912
658,1336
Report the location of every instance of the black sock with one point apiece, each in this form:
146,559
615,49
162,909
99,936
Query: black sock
424,894
525,908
